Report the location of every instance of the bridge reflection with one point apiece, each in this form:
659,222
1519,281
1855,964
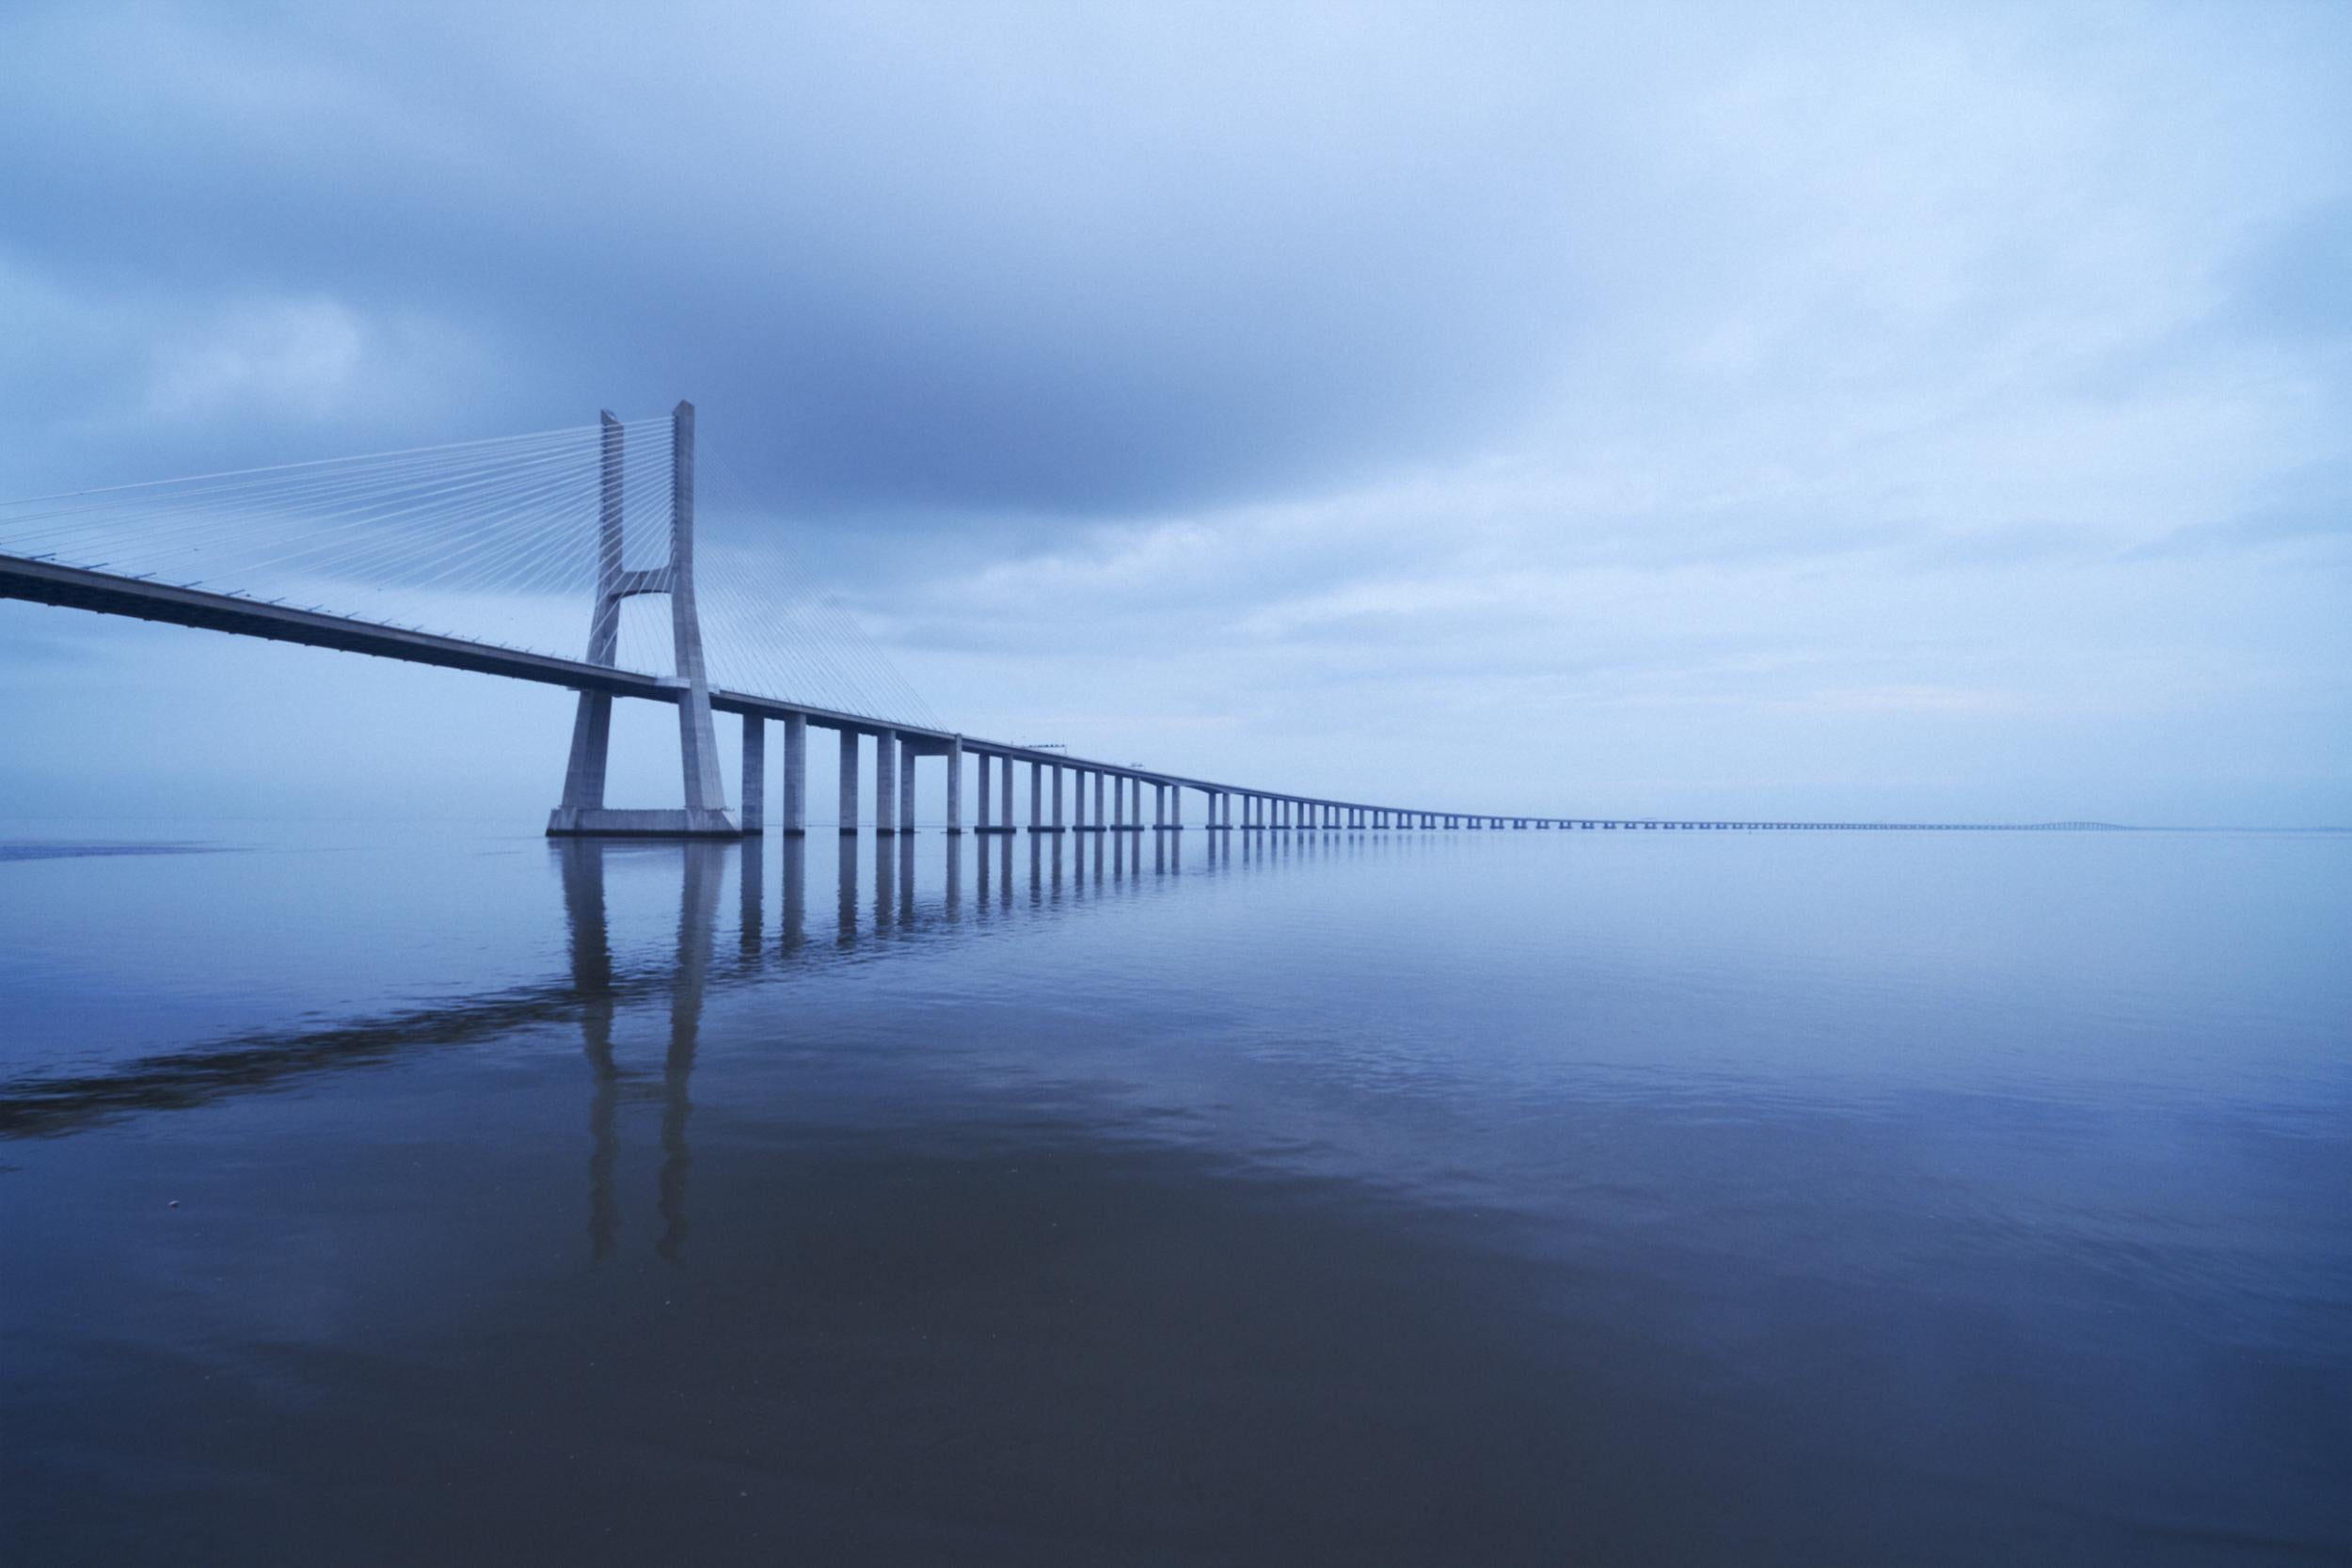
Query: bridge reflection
891,903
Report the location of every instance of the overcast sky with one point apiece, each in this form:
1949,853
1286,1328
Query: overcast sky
1868,410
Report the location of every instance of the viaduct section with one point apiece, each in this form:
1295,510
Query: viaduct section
1064,794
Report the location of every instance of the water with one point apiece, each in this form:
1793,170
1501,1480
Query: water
1449,1199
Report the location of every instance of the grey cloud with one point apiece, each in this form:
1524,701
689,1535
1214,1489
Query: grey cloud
938,278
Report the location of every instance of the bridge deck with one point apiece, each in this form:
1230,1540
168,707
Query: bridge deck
40,581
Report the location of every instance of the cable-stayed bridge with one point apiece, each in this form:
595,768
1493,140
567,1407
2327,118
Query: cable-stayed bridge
500,544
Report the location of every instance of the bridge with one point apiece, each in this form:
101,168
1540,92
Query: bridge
534,516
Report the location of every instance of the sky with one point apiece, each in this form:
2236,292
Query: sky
1907,412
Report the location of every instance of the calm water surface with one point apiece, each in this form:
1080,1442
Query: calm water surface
1439,1198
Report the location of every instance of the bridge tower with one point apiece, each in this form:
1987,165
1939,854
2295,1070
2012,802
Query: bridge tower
583,811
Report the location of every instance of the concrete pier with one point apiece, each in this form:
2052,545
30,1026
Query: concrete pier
848,781
1057,773
886,782
979,765
707,812
581,810
796,775
906,786
955,790
755,773
1037,797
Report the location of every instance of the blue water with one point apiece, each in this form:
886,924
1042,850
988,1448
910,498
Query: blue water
1459,1197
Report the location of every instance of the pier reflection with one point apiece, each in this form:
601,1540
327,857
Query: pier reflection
917,885
582,865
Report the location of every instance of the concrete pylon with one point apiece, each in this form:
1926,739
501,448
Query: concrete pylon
755,773
887,781
848,809
795,774
583,811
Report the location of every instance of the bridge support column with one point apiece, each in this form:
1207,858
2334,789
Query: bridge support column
698,747
979,765
582,811
795,775
886,782
1176,808
848,781
1057,773
906,786
1037,795
755,773
955,790
1100,822
1007,786
592,743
